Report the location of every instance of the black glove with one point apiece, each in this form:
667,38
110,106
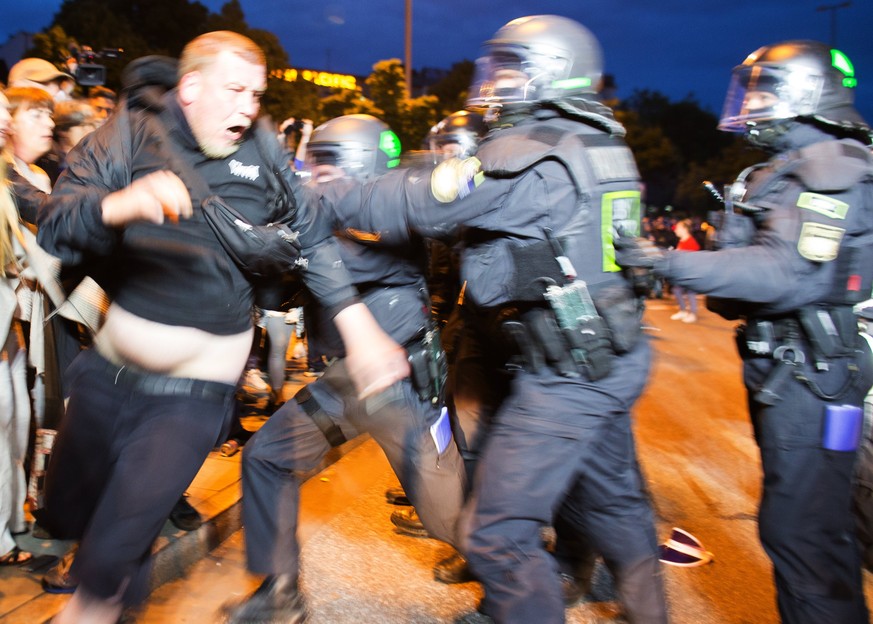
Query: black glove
731,230
636,253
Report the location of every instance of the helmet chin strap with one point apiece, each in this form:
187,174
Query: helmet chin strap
780,135
767,135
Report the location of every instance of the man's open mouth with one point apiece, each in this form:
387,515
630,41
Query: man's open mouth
237,131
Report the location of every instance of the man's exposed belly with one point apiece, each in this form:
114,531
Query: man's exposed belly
172,350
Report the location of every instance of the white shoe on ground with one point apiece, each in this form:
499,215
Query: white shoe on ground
678,316
299,351
254,380
689,318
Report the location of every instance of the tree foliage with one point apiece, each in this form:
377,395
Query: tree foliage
451,91
411,119
720,169
677,145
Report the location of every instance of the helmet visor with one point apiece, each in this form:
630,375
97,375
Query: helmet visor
761,93
510,74
454,145
351,158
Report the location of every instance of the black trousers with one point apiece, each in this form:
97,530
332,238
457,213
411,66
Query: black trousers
805,520
558,440
290,443
129,446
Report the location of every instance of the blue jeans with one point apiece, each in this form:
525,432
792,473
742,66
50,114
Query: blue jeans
685,298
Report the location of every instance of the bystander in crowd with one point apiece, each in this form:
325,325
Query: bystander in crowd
685,297
14,396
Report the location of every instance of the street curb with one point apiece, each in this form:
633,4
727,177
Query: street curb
182,551
176,552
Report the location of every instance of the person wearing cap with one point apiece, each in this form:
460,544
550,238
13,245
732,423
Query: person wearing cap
31,133
39,73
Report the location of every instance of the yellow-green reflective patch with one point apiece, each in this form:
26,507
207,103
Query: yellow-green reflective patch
824,205
619,210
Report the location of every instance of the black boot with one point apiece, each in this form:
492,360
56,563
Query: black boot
453,569
276,600
407,522
397,496
184,516
576,579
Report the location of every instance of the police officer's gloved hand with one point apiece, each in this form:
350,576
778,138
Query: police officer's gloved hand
637,253
733,230
455,178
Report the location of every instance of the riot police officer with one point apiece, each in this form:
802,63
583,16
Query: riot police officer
794,255
478,379
561,175
342,153
556,178
537,251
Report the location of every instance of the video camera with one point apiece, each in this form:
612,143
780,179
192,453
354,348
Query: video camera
89,73
295,126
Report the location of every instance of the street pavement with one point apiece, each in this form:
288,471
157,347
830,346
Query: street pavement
698,457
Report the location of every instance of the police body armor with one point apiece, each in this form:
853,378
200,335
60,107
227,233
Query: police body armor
601,167
834,213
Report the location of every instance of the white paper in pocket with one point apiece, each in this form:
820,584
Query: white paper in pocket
441,431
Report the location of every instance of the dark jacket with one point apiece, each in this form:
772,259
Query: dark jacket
177,273
550,171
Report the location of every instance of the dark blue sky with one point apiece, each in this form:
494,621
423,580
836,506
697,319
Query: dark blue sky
672,46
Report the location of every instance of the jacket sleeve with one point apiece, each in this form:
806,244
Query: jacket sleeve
379,207
770,272
29,200
401,202
325,275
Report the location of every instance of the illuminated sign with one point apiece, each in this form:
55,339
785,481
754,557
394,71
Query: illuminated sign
322,79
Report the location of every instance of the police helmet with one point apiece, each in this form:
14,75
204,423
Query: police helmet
457,135
361,145
789,80
534,59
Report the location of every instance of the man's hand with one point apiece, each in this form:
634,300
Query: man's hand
153,198
636,253
306,129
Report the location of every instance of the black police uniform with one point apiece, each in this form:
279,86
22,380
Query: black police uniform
568,172
807,258
390,279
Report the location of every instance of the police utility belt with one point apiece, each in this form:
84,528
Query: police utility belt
572,336
428,366
429,370
576,352
810,340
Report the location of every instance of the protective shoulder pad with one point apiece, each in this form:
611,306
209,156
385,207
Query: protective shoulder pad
833,166
590,158
517,149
